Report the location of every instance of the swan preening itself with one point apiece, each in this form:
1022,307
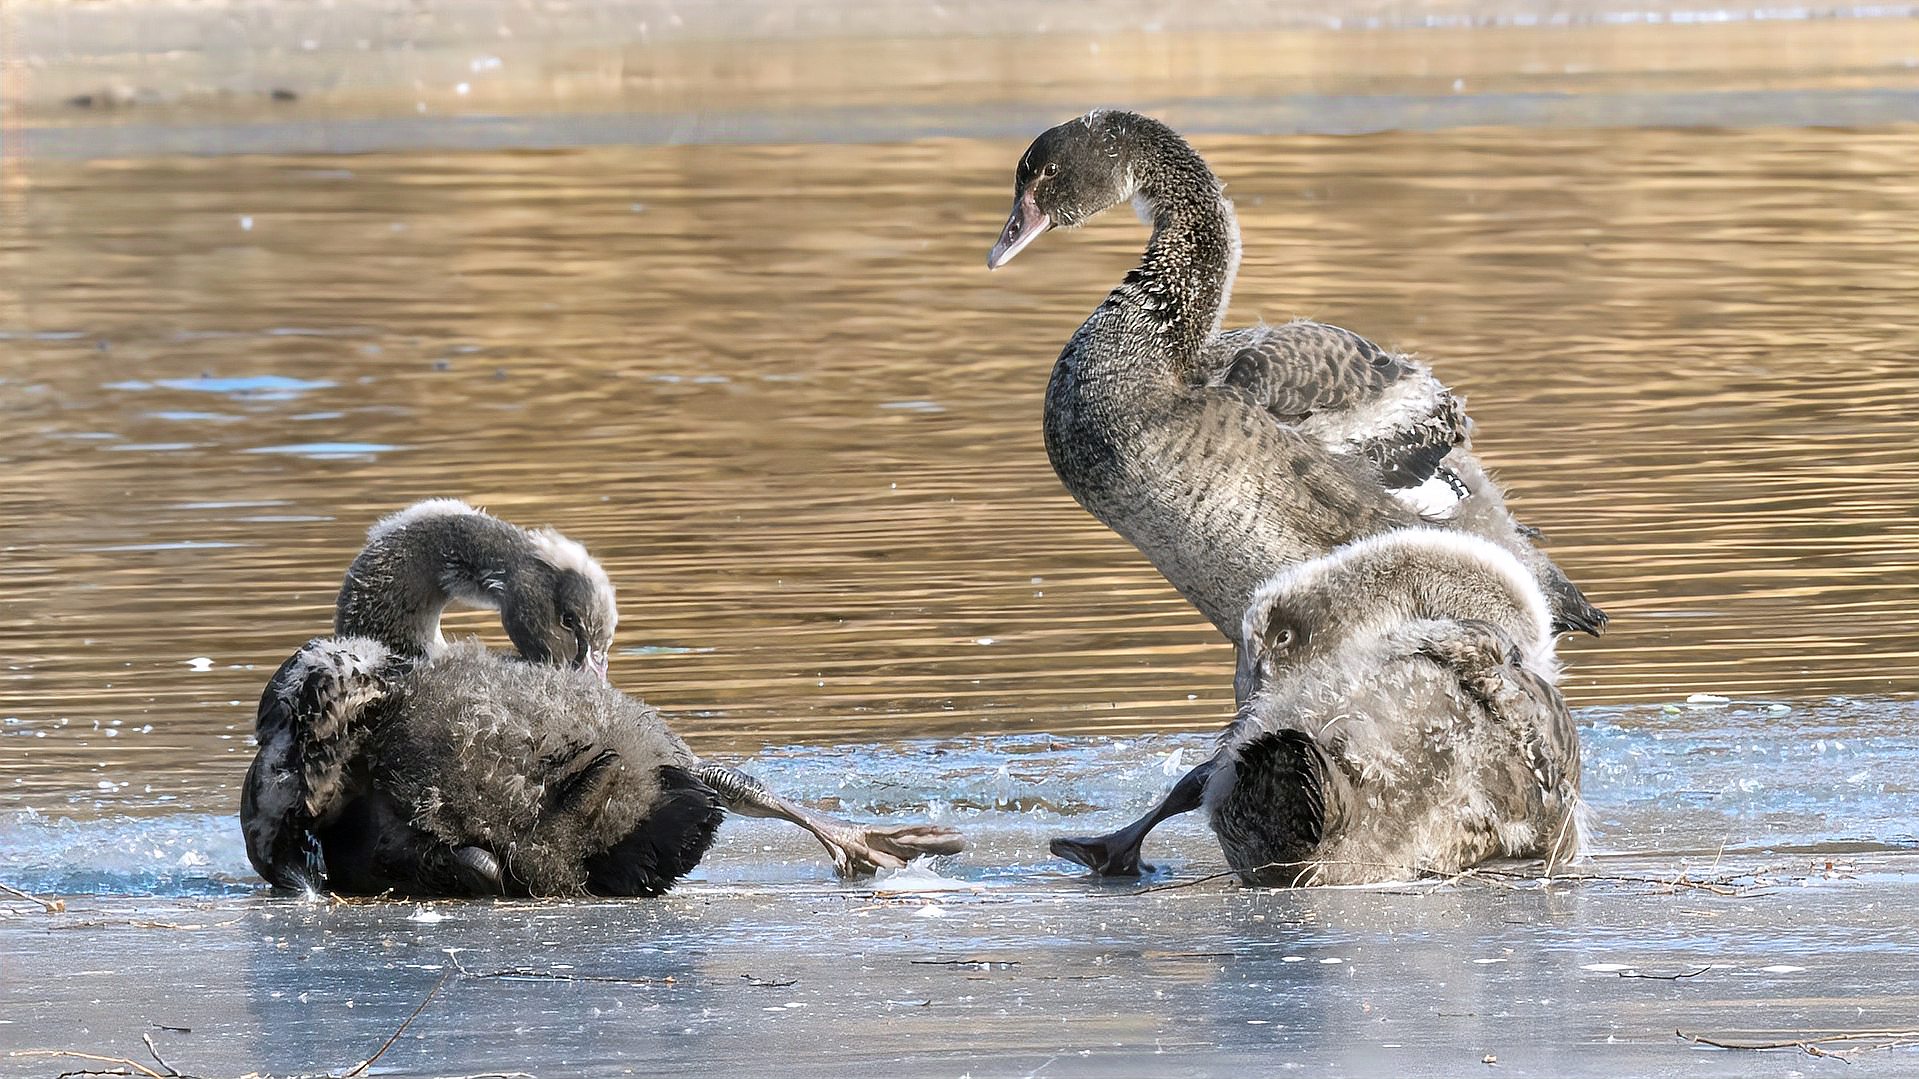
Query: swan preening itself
1225,456
1401,720
391,761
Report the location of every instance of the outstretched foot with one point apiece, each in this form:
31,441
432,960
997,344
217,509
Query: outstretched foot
856,849
1116,854
1113,855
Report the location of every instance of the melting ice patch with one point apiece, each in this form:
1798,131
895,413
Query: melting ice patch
178,854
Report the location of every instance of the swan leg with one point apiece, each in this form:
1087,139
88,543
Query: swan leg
1116,854
856,849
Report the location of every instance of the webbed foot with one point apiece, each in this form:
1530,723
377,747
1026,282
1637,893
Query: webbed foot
858,850
1116,854
1112,855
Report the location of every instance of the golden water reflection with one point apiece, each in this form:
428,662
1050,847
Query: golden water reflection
775,389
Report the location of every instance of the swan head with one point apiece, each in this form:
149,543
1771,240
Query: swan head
1069,174
1310,610
558,605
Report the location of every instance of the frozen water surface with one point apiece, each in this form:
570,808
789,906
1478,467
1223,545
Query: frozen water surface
1753,880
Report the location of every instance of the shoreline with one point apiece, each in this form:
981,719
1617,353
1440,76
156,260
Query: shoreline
141,79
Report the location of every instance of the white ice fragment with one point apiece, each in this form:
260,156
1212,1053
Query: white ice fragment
1782,968
1170,765
462,89
916,878
929,911
423,915
105,784
246,222
1607,968
983,640
1292,959
1708,698
200,663
1331,961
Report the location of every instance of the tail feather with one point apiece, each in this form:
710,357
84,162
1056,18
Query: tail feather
1275,813
1572,611
667,844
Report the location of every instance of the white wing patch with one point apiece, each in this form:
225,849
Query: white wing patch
1434,500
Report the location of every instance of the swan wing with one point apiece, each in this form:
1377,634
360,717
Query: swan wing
311,721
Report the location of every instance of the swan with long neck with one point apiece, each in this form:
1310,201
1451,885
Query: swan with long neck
1226,456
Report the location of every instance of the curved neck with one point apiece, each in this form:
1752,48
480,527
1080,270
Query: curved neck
1184,279
398,586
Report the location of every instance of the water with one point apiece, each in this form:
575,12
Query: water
774,390
746,350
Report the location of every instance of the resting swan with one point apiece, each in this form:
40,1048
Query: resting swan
391,761
1402,720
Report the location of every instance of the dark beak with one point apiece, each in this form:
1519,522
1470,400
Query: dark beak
1023,226
1247,675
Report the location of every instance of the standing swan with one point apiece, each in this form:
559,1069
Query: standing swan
1402,720
1226,456
391,761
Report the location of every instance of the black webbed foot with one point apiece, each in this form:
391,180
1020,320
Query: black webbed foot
1112,855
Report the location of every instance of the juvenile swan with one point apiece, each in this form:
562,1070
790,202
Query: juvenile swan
1402,719
392,761
555,601
1224,457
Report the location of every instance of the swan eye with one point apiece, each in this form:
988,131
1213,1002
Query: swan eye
1051,169
1279,639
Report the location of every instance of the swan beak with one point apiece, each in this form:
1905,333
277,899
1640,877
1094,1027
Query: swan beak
596,662
1023,226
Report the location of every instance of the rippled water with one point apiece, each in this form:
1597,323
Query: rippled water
775,390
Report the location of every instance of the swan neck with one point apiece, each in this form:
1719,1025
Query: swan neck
399,586
1184,279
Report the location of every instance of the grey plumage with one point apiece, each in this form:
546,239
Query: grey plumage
1225,456
467,773
574,786
410,765
1402,719
556,603
309,737
312,812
